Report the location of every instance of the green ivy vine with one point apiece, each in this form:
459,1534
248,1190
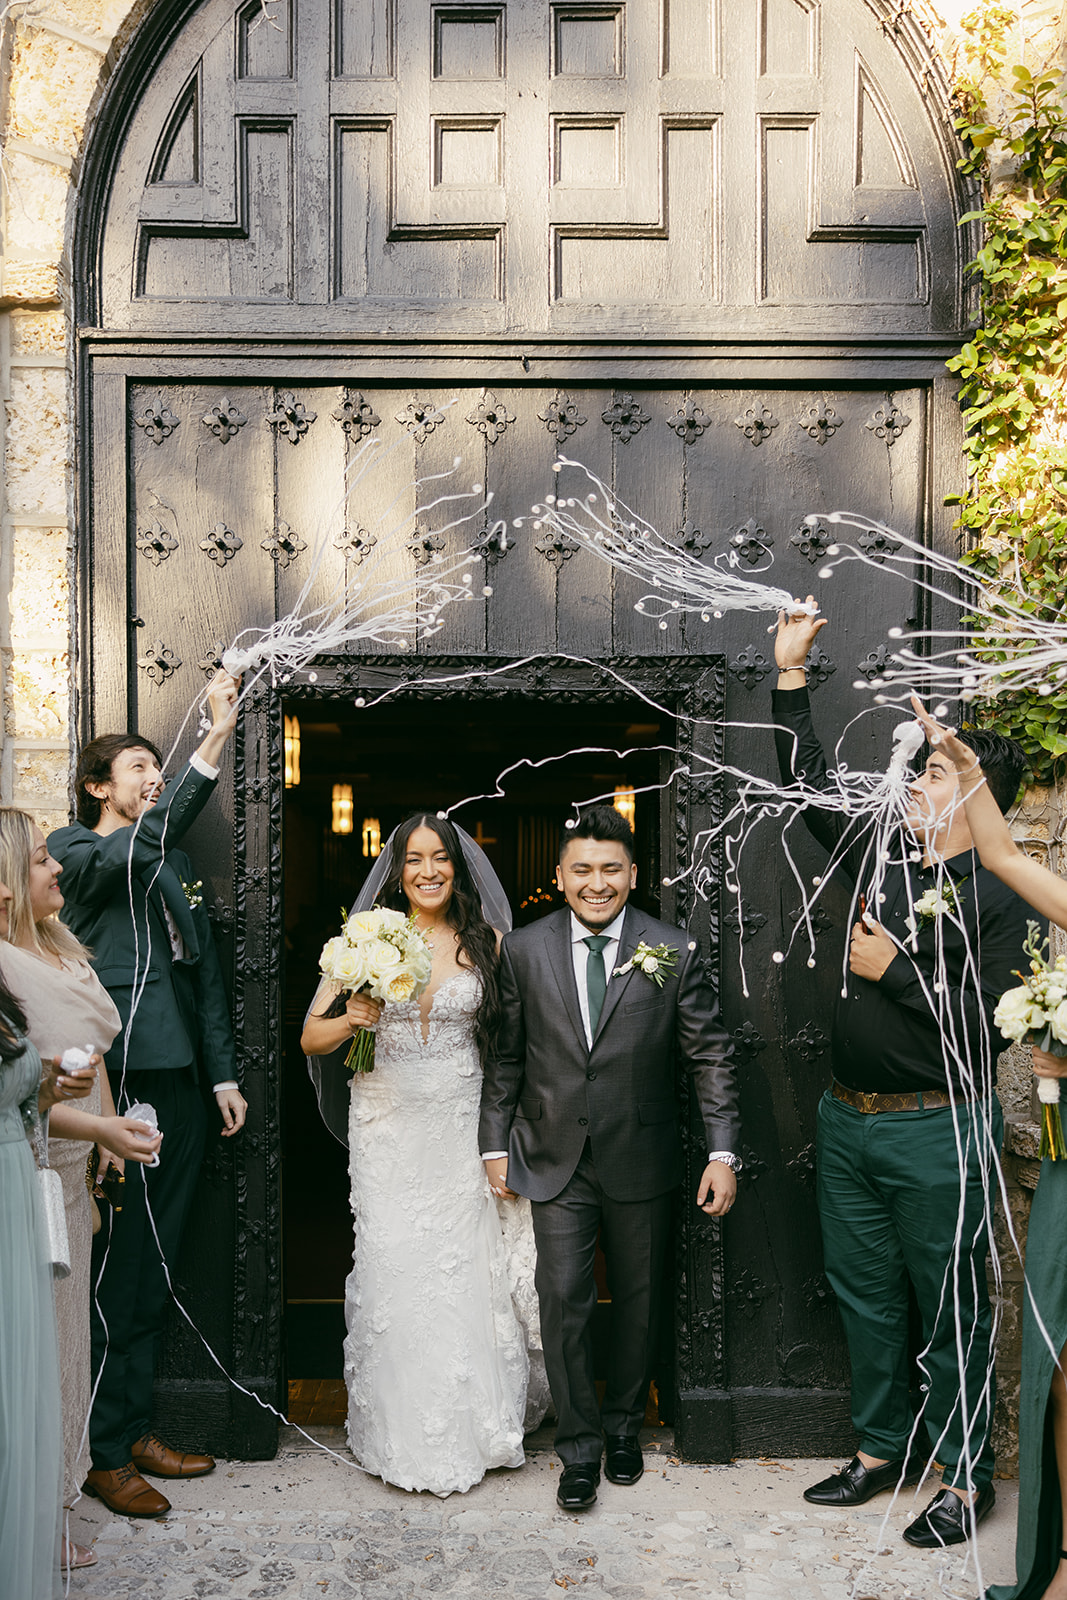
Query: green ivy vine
1014,367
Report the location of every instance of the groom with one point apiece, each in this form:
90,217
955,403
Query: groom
580,1092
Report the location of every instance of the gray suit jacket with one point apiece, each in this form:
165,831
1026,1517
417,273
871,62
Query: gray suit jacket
545,1091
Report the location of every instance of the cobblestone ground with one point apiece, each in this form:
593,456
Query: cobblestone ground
310,1527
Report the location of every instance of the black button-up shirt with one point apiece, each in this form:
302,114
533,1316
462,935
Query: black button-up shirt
899,1035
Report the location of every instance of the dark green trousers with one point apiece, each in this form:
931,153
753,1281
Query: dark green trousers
131,1292
893,1210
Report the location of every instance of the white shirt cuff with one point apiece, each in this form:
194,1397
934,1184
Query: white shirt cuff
727,1156
494,1155
231,1083
205,768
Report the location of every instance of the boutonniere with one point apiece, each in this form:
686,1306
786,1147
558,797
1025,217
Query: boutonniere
654,960
192,892
933,904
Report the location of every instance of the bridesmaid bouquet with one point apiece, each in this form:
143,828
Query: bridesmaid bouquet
1037,1013
379,953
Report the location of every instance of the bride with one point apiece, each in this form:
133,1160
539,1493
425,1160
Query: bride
440,1303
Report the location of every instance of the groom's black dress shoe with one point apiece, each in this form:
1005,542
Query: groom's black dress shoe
623,1461
948,1519
855,1484
577,1486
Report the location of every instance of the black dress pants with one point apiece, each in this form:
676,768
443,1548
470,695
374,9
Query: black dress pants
130,1288
636,1236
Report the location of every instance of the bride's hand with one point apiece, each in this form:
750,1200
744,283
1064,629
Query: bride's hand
496,1171
362,1012
1047,1065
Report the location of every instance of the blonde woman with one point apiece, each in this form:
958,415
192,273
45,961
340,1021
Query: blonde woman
65,1005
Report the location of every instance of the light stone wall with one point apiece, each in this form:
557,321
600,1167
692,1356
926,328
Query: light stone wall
56,58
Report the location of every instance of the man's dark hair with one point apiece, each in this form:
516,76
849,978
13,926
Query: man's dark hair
1003,762
95,764
603,823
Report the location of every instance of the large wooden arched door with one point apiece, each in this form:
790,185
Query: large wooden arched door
712,253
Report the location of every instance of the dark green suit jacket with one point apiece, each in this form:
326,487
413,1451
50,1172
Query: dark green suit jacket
115,889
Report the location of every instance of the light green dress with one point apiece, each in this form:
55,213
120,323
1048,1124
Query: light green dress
31,1439
1039,1536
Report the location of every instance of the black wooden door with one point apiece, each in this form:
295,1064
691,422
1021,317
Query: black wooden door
711,257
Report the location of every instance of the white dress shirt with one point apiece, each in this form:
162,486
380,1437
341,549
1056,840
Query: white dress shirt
580,954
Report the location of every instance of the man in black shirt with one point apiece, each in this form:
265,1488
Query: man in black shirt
909,1129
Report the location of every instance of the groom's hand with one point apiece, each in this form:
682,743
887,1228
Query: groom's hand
718,1189
497,1173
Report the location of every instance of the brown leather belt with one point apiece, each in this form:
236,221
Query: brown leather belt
924,1100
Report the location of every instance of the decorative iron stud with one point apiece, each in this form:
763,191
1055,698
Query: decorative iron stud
291,417
221,544
689,422
157,422
560,417
490,416
356,416
284,545
159,662
820,422
157,543
626,417
756,423
225,420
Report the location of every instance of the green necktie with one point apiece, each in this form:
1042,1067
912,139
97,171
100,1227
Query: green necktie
596,983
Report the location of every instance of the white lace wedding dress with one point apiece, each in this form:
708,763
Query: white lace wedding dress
442,1357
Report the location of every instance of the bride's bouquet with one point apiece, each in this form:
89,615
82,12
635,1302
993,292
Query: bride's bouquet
1037,1013
379,953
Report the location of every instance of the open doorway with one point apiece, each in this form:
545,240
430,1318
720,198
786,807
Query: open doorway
386,761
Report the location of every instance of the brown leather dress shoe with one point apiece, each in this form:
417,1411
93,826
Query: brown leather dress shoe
125,1492
152,1455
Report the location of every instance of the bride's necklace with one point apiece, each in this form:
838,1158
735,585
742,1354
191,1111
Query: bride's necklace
428,933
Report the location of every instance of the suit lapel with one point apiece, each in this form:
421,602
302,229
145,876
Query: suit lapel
561,960
168,886
628,943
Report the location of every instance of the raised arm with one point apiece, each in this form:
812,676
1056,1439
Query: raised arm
996,848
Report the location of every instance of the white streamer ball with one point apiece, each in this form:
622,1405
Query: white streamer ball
570,823
692,944
663,627
896,633
442,815
816,882
466,579
811,962
487,591
835,516
826,572
833,549
705,616
476,488
313,677
778,956
941,711
557,466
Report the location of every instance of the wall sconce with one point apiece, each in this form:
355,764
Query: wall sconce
625,802
372,837
341,808
292,752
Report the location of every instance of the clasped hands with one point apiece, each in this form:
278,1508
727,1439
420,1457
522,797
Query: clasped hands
717,1180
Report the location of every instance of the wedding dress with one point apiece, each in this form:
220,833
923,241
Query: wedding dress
440,1304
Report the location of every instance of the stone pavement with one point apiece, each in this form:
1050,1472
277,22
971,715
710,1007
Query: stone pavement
307,1526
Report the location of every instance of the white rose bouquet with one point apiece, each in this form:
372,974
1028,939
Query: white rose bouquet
1036,1013
379,953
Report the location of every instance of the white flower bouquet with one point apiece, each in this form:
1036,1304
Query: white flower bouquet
379,953
1036,1013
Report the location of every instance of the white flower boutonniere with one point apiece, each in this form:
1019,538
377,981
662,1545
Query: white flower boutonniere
933,904
193,892
654,960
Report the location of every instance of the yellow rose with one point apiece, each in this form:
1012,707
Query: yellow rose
399,988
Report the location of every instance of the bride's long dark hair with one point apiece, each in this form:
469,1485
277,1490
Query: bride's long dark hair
477,940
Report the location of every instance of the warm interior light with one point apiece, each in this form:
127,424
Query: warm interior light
625,802
372,836
341,808
292,752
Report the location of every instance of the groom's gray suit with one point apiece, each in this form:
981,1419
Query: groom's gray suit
592,1136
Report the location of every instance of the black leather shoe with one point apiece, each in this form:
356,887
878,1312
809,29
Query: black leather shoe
856,1484
623,1461
577,1486
949,1520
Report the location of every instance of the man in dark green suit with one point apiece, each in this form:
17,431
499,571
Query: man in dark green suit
131,897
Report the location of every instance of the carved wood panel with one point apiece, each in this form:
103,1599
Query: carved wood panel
538,166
